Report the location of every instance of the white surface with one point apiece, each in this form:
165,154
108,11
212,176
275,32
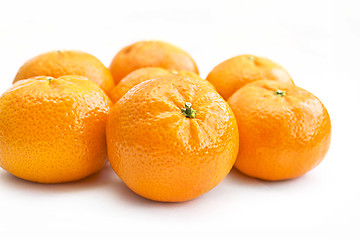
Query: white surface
316,41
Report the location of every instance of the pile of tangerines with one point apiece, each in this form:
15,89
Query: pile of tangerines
168,134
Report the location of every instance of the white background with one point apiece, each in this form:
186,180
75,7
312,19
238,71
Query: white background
316,41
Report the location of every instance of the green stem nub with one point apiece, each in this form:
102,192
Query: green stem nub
188,111
251,58
280,93
49,78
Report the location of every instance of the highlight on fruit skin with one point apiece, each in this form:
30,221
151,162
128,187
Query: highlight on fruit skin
144,74
172,139
67,62
150,54
52,130
284,130
234,73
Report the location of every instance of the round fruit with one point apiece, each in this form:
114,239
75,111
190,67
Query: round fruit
144,74
52,130
232,74
134,78
150,54
172,139
284,131
61,63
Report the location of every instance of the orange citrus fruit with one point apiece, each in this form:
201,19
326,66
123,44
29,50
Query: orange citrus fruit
232,74
62,62
52,130
284,131
150,54
172,138
144,74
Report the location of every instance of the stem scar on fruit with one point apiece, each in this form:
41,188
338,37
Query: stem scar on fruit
49,79
281,93
188,111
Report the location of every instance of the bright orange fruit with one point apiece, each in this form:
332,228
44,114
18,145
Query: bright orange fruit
62,62
144,74
172,139
284,131
134,78
52,130
150,54
232,74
